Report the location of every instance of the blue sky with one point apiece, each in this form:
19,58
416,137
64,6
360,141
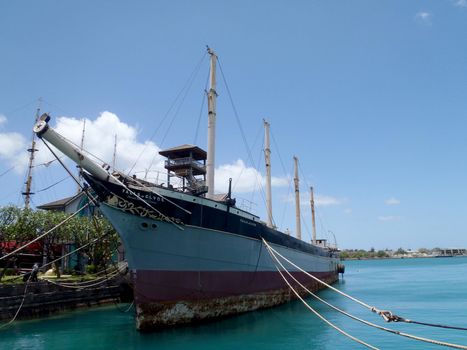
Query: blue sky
370,95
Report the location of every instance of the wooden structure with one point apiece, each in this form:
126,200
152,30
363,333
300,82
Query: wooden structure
187,162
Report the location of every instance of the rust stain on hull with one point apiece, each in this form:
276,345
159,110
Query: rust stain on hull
152,316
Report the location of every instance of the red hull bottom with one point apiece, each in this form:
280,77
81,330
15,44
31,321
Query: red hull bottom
165,299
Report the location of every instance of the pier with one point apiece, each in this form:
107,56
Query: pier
43,298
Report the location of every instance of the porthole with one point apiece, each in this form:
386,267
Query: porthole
153,226
144,225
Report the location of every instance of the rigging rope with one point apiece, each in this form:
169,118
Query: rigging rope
149,205
386,315
85,190
389,330
111,176
168,112
240,127
7,171
322,317
289,189
44,234
20,306
201,110
54,184
71,286
68,254
63,285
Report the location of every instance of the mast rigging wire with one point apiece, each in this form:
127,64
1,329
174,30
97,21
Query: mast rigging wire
109,174
289,190
187,90
201,109
7,171
86,190
189,81
20,107
54,184
237,118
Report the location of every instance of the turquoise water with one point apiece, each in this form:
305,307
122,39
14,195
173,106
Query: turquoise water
430,290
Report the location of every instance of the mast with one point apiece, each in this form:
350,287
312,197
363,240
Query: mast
297,200
312,203
267,156
27,193
212,95
80,178
114,158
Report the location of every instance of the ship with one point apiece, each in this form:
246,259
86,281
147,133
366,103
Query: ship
194,255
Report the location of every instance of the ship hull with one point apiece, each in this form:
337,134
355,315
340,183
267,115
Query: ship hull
186,274
153,315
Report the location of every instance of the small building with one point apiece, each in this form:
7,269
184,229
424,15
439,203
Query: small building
70,205
452,252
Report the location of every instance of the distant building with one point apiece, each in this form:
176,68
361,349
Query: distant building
451,252
70,205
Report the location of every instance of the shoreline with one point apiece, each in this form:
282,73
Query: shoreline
404,257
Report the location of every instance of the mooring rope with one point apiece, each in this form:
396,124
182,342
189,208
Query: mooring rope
388,316
68,254
44,234
20,306
322,317
67,285
88,283
407,335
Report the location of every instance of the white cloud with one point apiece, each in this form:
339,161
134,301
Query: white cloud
320,200
460,3
326,201
3,119
392,201
244,178
13,150
389,218
424,17
99,140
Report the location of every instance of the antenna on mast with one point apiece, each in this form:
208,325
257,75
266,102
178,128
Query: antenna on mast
27,193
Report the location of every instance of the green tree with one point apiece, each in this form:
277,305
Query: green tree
381,254
19,226
401,251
